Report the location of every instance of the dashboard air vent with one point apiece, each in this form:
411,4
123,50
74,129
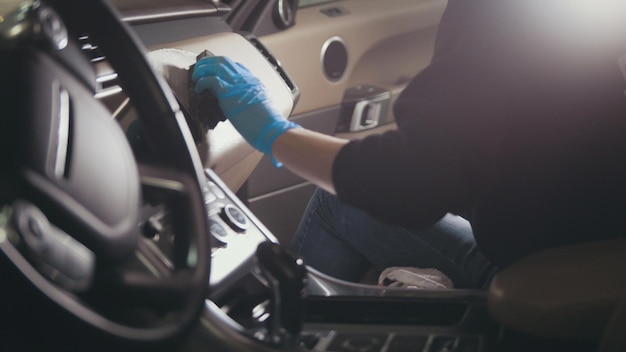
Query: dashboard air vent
277,66
106,77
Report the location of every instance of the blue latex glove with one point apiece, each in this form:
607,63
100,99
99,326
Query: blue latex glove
243,101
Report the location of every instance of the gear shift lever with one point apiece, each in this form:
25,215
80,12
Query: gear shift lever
286,276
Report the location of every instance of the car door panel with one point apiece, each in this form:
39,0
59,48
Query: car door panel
373,33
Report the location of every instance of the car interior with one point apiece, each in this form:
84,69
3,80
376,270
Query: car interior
164,230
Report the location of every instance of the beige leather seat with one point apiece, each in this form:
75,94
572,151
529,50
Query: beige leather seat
572,292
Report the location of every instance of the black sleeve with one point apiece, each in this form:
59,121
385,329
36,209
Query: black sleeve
438,158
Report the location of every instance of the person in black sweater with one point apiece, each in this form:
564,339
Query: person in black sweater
512,140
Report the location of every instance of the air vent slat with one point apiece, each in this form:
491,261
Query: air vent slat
276,65
106,77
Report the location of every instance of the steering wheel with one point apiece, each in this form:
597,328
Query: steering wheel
92,234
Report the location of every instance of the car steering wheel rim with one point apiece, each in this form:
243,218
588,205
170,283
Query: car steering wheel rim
177,176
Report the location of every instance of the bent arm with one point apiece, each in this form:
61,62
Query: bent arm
309,154
243,100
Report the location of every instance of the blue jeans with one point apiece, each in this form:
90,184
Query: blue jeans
345,242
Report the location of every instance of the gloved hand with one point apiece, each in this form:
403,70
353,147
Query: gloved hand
243,100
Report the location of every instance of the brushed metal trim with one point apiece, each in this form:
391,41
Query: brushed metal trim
63,133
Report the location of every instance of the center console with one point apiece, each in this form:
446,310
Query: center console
271,301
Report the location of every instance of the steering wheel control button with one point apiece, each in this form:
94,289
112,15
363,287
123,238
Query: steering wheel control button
53,27
152,228
54,253
234,218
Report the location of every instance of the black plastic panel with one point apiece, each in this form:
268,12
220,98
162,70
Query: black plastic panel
360,310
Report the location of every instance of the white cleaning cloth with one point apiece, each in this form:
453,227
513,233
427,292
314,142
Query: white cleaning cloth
415,278
173,65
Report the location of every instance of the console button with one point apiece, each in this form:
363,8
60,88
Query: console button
234,218
152,228
219,233
209,197
216,190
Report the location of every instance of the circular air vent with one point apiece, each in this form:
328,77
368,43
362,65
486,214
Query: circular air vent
285,13
334,58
